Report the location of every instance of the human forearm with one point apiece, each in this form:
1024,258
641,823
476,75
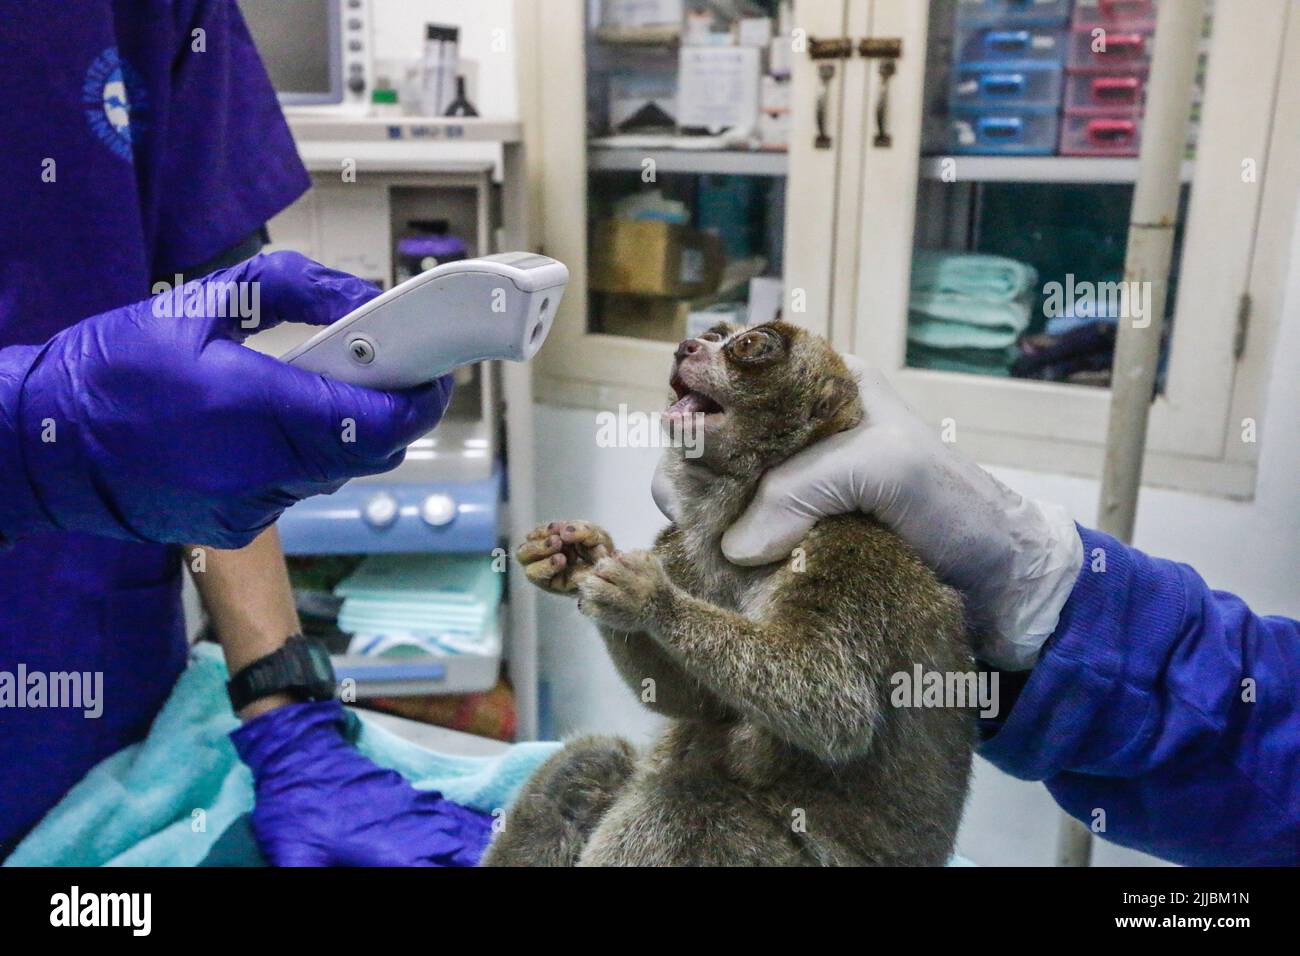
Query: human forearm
1164,713
250,603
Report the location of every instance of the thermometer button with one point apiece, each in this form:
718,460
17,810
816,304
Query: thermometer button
381,510
438,510
361,349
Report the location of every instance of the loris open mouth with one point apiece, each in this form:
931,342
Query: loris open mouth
690,401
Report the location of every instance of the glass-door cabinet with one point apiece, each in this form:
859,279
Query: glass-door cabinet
682,179
943,187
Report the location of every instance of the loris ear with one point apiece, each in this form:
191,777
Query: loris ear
835,396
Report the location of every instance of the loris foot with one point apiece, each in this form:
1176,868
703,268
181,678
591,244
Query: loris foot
625,591
555,556
561,804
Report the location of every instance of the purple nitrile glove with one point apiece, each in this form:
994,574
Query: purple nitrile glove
153,422
319,802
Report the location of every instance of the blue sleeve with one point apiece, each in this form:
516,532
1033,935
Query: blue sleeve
1164,712
19,508
220,157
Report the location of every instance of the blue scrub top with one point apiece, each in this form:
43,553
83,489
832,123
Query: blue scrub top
140,138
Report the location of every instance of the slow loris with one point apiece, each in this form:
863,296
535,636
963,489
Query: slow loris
784,748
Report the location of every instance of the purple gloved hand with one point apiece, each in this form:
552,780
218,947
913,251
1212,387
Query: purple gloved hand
145,424
321,803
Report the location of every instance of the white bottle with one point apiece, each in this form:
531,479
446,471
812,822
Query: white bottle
440,65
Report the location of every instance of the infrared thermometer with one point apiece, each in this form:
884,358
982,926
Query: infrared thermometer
496,307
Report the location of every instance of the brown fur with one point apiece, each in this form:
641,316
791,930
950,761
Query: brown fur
783,748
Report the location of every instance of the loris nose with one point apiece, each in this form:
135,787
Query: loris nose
689,347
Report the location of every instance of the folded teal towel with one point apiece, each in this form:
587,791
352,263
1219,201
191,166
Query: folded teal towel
969,361
967,325
968,301
168,800
969,274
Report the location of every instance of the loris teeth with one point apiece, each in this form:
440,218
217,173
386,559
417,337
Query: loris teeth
694,403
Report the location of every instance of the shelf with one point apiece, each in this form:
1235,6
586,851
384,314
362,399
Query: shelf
725,162
664,35
1040,169
308,124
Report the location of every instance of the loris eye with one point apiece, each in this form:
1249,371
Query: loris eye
755,345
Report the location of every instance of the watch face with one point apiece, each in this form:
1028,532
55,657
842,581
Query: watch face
322,668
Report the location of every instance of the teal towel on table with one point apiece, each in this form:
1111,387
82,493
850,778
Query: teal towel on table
168,800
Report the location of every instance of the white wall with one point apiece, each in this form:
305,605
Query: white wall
1251,548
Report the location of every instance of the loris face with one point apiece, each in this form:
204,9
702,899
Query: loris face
760,393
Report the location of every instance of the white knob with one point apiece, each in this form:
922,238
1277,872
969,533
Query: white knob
438,510
381,510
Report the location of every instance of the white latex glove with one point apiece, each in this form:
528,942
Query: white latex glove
1014,559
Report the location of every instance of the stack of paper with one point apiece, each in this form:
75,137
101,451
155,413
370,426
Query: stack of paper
422,603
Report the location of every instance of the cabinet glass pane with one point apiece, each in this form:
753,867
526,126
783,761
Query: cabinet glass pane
687,112
1033,120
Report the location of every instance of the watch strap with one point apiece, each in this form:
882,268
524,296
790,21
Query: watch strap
301,668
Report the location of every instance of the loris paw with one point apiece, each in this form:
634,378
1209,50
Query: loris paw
624,591
555,556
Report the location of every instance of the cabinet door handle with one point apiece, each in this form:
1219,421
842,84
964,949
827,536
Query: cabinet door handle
887,50
883,137
836,48
825,73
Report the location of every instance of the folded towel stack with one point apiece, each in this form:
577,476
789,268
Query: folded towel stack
967,310
440,604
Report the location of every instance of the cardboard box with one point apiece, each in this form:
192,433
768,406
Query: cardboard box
654,258
643,98
665,320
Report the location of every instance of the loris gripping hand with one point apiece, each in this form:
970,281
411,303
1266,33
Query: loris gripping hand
626,592
557,555
619,590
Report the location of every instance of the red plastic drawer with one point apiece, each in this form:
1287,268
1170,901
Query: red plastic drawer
1114,13
1089,134
1109,49
1106,92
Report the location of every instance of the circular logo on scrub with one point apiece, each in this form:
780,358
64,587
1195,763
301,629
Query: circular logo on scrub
115,100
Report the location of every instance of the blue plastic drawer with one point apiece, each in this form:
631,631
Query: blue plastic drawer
998,45
1026,131
1029,84
993,12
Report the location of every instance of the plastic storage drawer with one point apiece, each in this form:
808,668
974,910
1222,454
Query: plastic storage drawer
996,46
1029,84
1027,131
1119,50
1086,134
992,12
1114,13
1106,92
